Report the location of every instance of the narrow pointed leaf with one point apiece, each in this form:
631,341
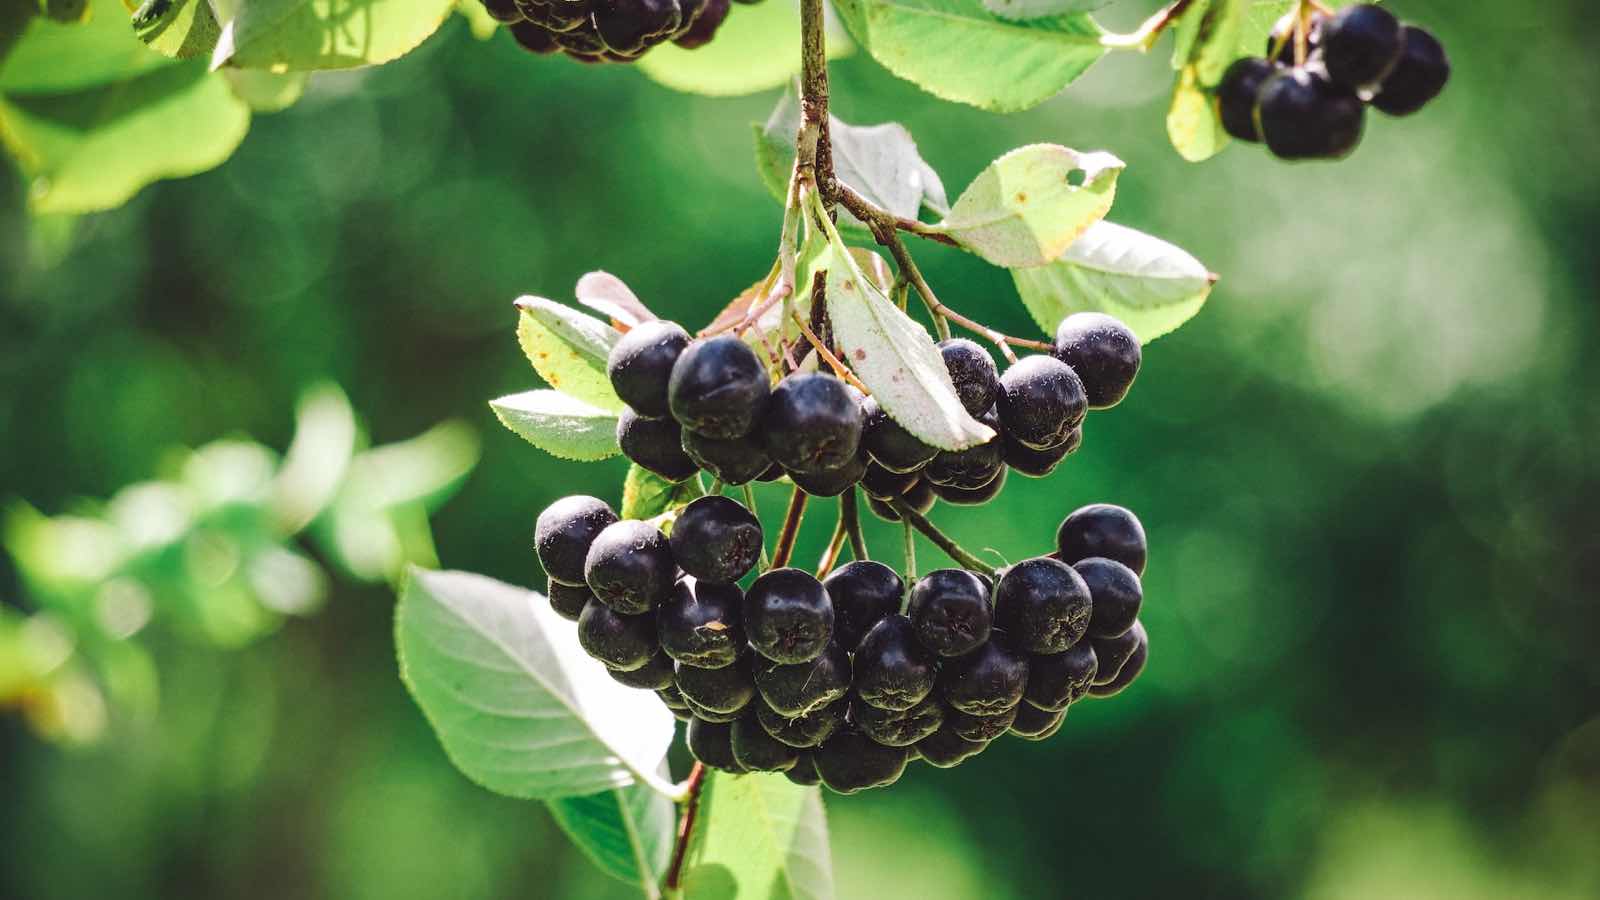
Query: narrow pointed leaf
559,425
627,832
758,836
568,349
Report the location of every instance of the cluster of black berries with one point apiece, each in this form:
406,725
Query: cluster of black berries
1360,55
845,680
609,30
709,404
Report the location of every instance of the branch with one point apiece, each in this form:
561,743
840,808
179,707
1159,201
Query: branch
814,153
931,531
691,805
791,529
850,511
1145,36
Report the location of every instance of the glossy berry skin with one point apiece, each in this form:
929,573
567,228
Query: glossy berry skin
1043,605
1103,352
1041,400
1114,653
704,25
808,730
755,750
564,532
788,617
986,681
1116,593
956,496
831,482
973,371
503,11
1360,44
654,675
710,715
718,388
620,641
1056,680
726,690
656,445
629,27
812,423
1129,670
1302,115
980,728
893,670
568,600
797,689
1039,463
863,591
884,484
946,749
630,567
641,362
735,460
1101,529
716,539
1283,33
712,744
701,624
850,761
672,698
1417,78
949,608
973,467
1034,724
804,770
901,727
1236,101
533,38
889,443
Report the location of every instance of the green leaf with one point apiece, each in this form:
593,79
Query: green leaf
1192,122
646,495
605,293
182,29
957,50
1025,209
298,35
314,466
424,469
568,349
479,22
628,832
518,706
266,92
52,57
1146,282
757,48
1022,10
559,425
758,836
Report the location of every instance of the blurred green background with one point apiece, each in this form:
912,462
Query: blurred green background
1367,469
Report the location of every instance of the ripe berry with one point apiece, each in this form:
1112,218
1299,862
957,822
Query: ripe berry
1041,401
1104,352
700,624
973,467
973,371
630,567
620,641
986,681
503,11
850,761
946,749
718,388
889,443
831,482
725,690
892,668
1304,116
1236,100
672,697
716,539
533,38
568,600
712,744
1101,529
710,715
654,675
1359,44
629,27
975,497
655,444
757,751
1036,724
1114,653
788,617
795,689
862,591
884,484
641,363
812,424
808,730
949,608
1129,670
980,728
1039,463
1418,77
1042,604
564,532
734,460
898,728
703,27
1057,679
804,770
1116,592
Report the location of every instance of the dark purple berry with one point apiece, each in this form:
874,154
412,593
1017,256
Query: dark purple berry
980,728
704,25
788,617
1114,653
946,749
973,371
1104,352
700,624
957,496
568,600
1058,679
831,482
656,445
898,728
533,38
1236,105
564,532
892,668
1041,401
757,751
889,443
975,466
808,730
1129,669
630,567
712,744
629,27
812,424
503,11
1282,37
725,690
1302,115
804,770
620,641
850,761
1101,529
863,592
654,675
1116,592
716,539
949,608
711,715
718,388
1039,463
986,681
884,484
796,689
641,363
1035,724
1360,44
1042,604
1417,78
734,460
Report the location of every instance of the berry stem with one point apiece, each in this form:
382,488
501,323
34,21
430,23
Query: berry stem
791,529
911,551
830,556
931,531
828,357
750,504
850,513
1145,36
691,805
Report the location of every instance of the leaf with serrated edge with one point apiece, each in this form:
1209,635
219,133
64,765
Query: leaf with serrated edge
1023,210
300,35
568,349
646,495
758,835
627,832
1151,285
606,293
1022,10
559,425
518,706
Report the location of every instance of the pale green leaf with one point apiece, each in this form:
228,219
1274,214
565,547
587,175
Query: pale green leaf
1031,204
424,469
960,51
559,425
646,495
756,48
53,57
568,349
1022,10
1149,284
1192,122
517,704
267,92
758,836
315,464
627,832
182,29
298,35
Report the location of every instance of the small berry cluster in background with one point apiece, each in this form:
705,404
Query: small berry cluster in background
1307,98
596,31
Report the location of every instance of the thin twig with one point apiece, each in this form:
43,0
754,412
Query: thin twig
850,512
869,213
830,554
1145,36
890,239
791,529
931,531
911,551
691,806
750,504
833,362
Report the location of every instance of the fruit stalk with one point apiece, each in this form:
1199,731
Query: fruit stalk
791,529
931,531
850,513
680,848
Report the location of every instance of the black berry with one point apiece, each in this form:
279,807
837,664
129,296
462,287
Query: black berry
831,482
973,371
712,744
1056,680
980,728
641,363
672,697
1114,653
1359,44
1236,100
1417,78
884,484
796,689
1101,529
704,24
711,715
957,496
946,749
1116,592
1104,352
718,388
949,608
655,444
973,467
850,761
757,751
533,38
986,681
804,770
620,641
889,443
630,567
700,624
788,617
1129,670
716,539
1035,724
812,423
734,460
1039,463
564,532
1282,37
629,27
726,690
808,730
1041,400
654,675
1305,116
568,600
900,727
503,11
1042,604
892,668
862,591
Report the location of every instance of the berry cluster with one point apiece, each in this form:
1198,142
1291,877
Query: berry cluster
1361,55
846,679
595,31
